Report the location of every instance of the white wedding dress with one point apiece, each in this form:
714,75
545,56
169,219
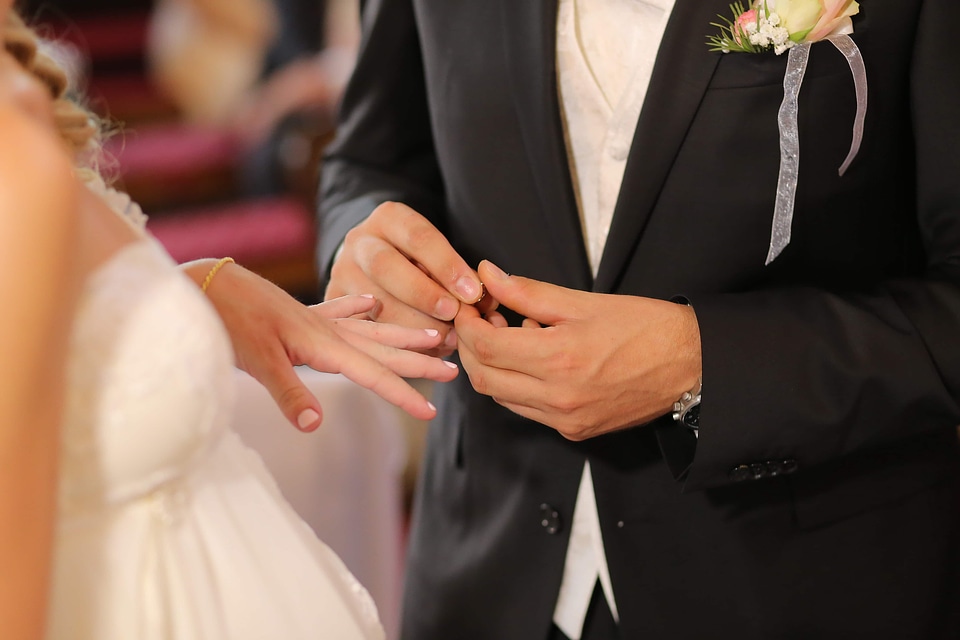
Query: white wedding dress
169,527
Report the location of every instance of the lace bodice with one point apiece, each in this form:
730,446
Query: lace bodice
150,381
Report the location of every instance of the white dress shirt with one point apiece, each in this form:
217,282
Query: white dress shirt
605,55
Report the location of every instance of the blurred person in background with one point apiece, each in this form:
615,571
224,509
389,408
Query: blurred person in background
272,72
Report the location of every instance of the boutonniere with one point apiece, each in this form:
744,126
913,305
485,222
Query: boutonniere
792,26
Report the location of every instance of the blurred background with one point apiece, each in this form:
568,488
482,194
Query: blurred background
219,111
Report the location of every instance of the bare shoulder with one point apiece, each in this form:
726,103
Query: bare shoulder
36,176
38,195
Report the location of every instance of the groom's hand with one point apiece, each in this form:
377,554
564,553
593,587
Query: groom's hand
401,258
583,363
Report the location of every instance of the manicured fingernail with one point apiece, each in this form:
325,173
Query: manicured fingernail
430,404
468,288
307,417
496,271
433,333
452,365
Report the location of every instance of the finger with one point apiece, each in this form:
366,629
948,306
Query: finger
371,374
408,317
497,320
391,335
423,243
404,363
397,357
530,351
346,306
487,303
382,263
390,309
295,401
501,384
530,323
546,303
346,278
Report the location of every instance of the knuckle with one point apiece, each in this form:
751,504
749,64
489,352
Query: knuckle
385,210
377,263
483,350
478,381
565,404
574,429
419,236
290,398
352,242
563,362
425,293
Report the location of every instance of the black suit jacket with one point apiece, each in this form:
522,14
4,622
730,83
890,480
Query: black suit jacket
821,499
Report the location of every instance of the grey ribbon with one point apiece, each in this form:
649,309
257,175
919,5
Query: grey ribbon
789,150
790,136
851,52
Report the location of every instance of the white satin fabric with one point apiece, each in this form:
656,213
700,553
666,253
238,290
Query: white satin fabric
169,527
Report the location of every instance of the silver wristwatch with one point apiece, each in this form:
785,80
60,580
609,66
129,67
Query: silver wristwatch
686,410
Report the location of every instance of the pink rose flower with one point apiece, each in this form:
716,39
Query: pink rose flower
740,28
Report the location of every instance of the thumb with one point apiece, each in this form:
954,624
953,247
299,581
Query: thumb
546,303
293,398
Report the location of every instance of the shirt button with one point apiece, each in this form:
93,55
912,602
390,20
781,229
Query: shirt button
550,519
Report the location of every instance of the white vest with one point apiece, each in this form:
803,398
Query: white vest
605,55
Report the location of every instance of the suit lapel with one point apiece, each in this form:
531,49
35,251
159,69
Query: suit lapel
529,28
680,77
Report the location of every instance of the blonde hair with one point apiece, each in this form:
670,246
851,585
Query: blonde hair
80,130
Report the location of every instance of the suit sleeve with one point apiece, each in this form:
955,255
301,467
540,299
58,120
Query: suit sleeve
809,376
383,150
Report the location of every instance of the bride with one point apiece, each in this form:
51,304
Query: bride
128,509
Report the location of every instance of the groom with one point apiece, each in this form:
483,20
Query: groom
600,153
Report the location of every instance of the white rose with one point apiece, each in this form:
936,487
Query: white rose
798,17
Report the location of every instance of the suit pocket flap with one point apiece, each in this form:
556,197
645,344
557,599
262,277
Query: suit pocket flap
745,70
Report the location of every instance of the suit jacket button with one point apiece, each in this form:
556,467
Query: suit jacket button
550,519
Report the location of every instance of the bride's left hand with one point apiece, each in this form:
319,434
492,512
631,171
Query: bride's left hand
272,332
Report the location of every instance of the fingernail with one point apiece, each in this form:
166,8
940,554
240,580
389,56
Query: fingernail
496,271
433,333
468,288
446,308
368,295
430,404
306,418
452,365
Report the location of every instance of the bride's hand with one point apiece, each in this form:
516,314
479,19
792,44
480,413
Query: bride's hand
271,333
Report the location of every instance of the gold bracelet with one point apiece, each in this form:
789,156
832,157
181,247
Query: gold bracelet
213,271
